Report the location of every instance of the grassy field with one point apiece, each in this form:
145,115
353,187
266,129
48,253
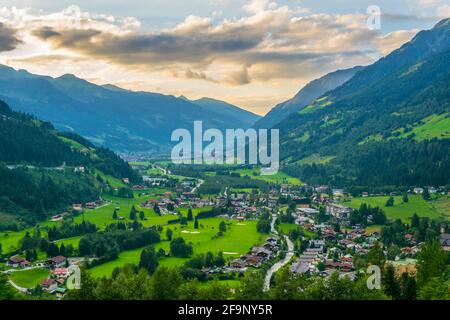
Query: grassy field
315,158
10,240
237,240
433,209
101,217
279,178
434,126
29,278
285,228
73,241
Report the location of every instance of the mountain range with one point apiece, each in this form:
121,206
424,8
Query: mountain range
113,117
307,94
388,125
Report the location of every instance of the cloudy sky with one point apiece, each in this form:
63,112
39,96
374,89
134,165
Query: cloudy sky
253,53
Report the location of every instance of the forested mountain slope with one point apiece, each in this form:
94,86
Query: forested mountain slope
311,91
37,167
388,125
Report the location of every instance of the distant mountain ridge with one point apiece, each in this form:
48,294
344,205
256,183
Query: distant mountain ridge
226,109
110,116
307,94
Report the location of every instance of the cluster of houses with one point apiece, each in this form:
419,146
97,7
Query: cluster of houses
88,205
256,257
60,271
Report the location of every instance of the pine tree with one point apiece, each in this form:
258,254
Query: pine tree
133,213
426,194
157,209
405,198
169,234
390,202
62,250
196,223
415,221
408,287
391,285
222,226
149,260
376,256
190,217
115,215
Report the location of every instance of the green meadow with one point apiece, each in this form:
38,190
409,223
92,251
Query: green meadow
434,126
285,228
29,278
279,177
101,217
237,240
435,209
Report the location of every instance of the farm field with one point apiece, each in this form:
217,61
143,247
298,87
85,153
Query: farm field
29,278
280,177
101,217
435,209
285,228
237,240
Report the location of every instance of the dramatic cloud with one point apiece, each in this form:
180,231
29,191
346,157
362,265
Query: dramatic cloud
8,40
265,54
275,38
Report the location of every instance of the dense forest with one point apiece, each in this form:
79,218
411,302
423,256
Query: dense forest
383,166
37,176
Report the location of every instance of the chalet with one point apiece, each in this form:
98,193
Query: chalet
79,169
188,195
321,189
261,252
56,262
445,241
91,205
17,261
126,180
238,264
404,266
338,211
49,285
253,261
77,206
300,267
61,273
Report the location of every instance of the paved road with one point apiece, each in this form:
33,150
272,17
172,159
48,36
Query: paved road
165,171
198,185
280,264
24,290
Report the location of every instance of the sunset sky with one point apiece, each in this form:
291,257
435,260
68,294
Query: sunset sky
254,54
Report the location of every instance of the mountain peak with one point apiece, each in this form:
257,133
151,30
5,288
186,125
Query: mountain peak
68,76
444,23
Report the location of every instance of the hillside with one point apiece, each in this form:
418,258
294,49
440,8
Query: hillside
311,91
110,116
391,118
37,167
230,111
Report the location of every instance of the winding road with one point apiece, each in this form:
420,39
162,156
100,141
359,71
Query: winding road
280,264
200,182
